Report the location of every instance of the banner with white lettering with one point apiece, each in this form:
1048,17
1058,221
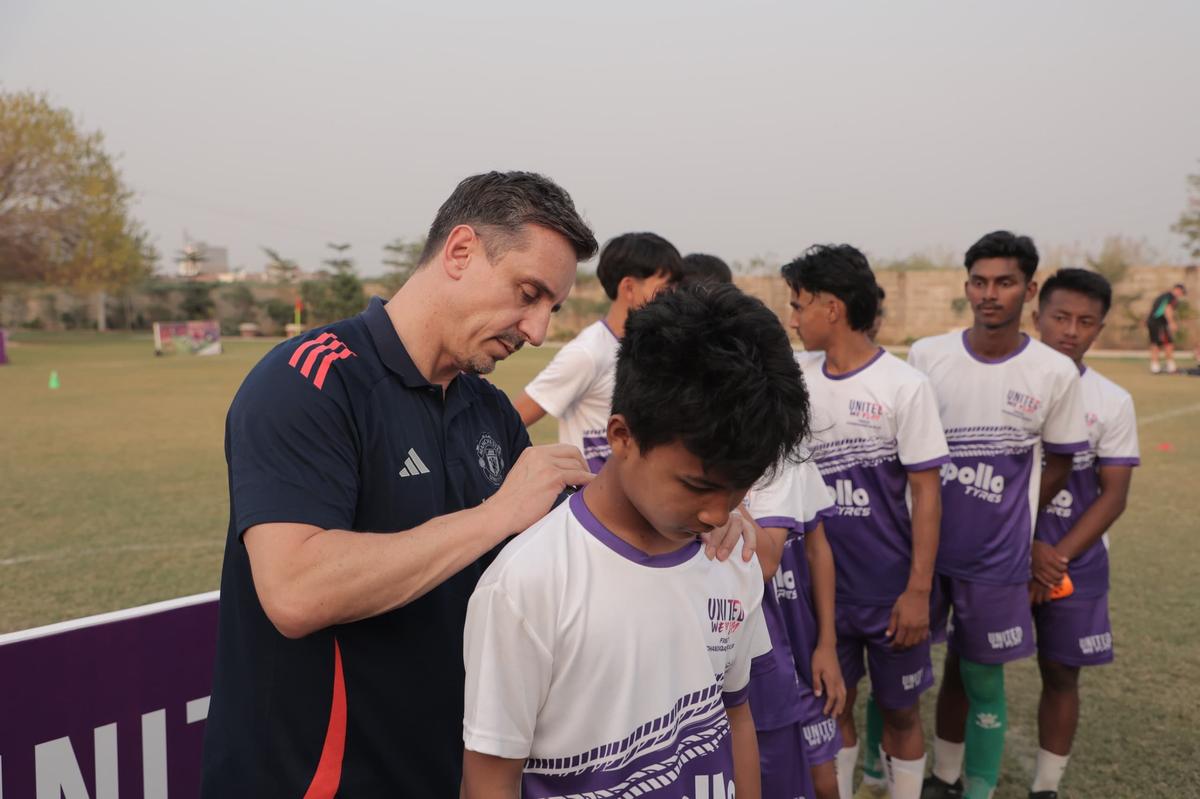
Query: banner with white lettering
108,707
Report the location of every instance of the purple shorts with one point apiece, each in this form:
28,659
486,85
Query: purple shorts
1074,631
783,763
990,624
898,676
821,735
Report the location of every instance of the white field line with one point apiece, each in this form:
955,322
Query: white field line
1171,414
90,551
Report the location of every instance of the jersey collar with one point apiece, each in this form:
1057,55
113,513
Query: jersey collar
390,347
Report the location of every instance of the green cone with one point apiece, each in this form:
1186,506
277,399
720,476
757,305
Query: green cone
54,378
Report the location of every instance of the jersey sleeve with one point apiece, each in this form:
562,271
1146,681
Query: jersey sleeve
564,380
292,451
796,498
750,655
916,357
1118,446
1065,431
919,436
508,671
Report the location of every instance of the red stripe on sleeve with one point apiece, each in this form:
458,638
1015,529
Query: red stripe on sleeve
306,345
315,352
326,362
329,770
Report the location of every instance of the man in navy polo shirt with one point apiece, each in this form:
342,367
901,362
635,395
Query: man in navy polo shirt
371,474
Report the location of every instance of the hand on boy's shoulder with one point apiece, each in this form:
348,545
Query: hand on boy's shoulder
720,543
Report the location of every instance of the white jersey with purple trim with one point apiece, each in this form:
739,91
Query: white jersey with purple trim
576,388
998,415
871,427
607,669
1112,441
797,500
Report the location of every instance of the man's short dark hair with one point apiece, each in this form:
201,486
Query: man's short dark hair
1003,244
499,205
700,267
1181,287
712,368
840,270
1082,281
637,255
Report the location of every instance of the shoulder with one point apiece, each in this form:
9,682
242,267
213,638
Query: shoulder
1051,361
899,372
809,359
1113,395
529,559
334,363
932,345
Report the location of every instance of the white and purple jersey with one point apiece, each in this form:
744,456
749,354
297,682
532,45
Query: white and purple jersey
1112,441
998,416
871,427
606,669
795,500
576,388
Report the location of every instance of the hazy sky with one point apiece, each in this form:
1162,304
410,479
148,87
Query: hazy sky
733,128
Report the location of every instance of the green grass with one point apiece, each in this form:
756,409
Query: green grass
113,493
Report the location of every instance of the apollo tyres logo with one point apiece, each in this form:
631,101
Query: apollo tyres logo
1060,506
979,481
851,499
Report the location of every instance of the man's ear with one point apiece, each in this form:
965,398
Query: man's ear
462,243
620,438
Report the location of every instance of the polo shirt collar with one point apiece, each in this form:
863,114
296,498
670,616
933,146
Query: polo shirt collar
390,347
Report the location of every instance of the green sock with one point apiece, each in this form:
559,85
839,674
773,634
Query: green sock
986,722
872,765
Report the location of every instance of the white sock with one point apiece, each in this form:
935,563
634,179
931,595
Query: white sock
1050,768
1171,365
947,760
847,756
878,782
1154,367
904,776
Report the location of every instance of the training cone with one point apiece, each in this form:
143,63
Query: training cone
1165,447
54,379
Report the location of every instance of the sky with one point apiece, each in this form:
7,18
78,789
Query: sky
747,129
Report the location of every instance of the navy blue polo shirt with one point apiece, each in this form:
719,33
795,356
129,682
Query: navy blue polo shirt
338,429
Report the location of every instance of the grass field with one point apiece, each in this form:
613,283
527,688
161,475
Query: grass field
113,493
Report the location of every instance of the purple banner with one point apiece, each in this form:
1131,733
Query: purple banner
108,707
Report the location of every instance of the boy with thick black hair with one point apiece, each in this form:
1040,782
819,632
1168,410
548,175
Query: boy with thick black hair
576,386
878,443
1070,548
604,652
1005,400
700,267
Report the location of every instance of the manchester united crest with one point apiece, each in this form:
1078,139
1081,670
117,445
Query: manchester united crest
491,458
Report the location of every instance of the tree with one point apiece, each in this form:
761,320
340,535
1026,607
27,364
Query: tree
402,257
1188,224
1117,254
196,302
338,296
280,269
64,209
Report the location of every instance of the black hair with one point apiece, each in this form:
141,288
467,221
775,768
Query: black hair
1003,244
840,270
882,294
712,368
699,267
1083,281
637,255
500,204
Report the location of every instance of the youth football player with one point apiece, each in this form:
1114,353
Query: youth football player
604,652
576,386
700,267
1071,541
877,440
796,705
1004,400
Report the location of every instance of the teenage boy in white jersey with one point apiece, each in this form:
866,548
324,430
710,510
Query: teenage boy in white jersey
1070,547
604,651
878,443
1005,400
796,705
576,386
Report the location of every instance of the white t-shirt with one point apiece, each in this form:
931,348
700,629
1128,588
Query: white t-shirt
998,417
576,388
1112,441
607,668
870,428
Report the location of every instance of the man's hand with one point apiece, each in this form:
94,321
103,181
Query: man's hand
909,624
1048,565
719,543
535,481
827,680
1038,593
